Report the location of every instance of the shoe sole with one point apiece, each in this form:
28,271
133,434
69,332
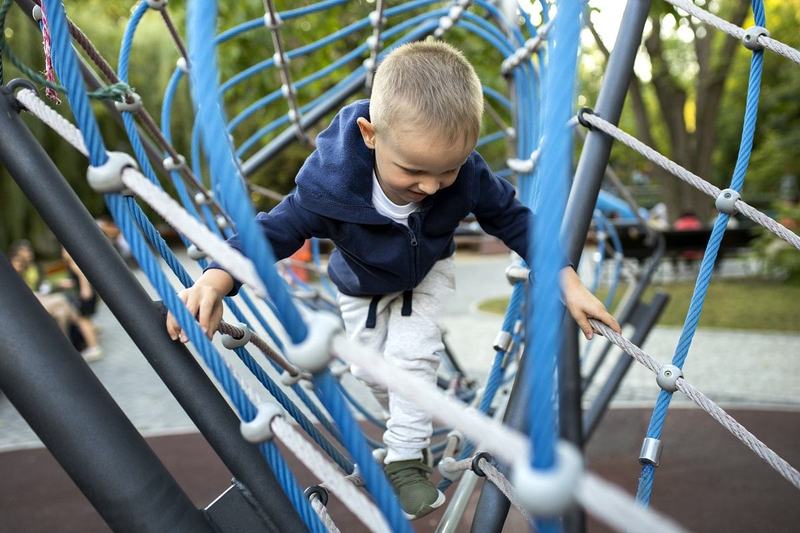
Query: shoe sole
432,507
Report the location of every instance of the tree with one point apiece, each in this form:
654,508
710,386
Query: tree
676,106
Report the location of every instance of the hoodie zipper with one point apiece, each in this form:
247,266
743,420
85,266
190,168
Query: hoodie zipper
414,247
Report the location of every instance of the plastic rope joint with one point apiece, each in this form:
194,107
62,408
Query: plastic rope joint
314,353
259,429
108,177
667,377
751,35
726,201
548,493
230,342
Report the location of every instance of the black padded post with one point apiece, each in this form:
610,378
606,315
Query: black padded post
74,227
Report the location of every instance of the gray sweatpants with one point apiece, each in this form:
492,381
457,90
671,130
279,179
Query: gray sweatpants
412,343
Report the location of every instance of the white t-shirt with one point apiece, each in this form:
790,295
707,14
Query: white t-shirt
387,208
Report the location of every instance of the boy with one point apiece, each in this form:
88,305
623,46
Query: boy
389,182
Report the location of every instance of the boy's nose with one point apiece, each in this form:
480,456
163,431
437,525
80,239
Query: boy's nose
429,187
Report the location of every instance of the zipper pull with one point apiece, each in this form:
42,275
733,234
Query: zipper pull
413,237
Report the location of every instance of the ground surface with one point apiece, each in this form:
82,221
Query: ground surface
709,481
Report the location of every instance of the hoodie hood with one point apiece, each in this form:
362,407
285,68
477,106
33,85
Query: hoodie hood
336,179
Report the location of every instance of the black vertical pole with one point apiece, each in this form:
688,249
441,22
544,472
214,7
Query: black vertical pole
88,434
74,227
492,505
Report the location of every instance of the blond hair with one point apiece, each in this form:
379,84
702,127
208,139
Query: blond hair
430,85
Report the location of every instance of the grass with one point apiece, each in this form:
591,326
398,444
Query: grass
751,304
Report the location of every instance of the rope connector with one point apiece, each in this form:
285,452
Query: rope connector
667,377
726,201
550,492
317,491
131,103
272,22
517,274
582,119
259,429
369,64
182,65
195,253
280,59
201,198
651,452
108,177
36,13
375,19
288,379
222,221
447,471
502,342
158,5
230,342
751,35
170,164
379,454
373,43
476,459
314,353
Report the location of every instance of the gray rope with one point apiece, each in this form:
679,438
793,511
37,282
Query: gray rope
701,400
734,30
237,333
503,484
692,179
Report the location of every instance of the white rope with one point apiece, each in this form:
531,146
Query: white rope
617,509
692,179
504,443
170,210
323,514
734,30
779,464
231,260
354,499
52,118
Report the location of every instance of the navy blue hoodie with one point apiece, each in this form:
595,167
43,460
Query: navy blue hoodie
375,255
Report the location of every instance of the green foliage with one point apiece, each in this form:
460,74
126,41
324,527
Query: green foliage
780,258
747,304
778,134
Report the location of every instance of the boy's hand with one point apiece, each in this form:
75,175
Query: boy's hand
583,305
204,301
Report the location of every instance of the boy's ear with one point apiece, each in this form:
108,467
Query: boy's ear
367,132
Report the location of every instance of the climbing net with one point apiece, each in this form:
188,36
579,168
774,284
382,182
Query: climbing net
292,325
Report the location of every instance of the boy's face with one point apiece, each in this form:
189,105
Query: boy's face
412,165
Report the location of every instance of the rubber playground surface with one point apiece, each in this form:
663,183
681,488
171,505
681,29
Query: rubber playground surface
708,481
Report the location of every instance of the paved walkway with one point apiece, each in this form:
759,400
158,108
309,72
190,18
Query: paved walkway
734,368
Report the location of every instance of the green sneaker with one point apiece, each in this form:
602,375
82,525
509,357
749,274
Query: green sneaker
411,481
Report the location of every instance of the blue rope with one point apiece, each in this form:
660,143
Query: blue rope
495,378
646,479
202,16
375,480
547,259
68,72
66,64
